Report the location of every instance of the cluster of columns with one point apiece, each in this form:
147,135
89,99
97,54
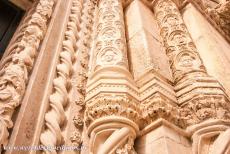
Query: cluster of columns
112,113
196,91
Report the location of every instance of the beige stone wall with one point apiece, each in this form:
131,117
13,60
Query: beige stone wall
117,77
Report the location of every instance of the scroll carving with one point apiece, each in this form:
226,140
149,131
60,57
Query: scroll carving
55,117
212,139
119,141
17,65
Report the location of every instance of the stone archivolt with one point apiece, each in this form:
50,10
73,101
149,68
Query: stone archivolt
18,63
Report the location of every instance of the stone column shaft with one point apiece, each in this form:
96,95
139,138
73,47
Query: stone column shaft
182,53
110,42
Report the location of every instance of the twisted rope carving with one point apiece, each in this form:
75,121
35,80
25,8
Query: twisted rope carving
16,66
81,70
55,117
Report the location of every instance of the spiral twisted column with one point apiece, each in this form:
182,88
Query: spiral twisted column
111,112
203,104
55,117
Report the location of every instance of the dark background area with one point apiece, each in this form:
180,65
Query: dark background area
10,16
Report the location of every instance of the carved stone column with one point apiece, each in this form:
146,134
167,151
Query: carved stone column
110,42
111,107
202,99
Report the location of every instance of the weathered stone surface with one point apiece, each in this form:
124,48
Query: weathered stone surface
120,77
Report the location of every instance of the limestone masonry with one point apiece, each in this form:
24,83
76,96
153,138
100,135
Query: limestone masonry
117,77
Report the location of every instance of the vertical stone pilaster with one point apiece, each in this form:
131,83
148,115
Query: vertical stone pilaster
55,117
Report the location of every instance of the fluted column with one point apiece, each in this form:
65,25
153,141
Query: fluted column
111,110
203,103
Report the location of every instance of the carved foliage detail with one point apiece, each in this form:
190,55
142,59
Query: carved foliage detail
159,106
205,107
17,65
79,78
107,105
221,15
